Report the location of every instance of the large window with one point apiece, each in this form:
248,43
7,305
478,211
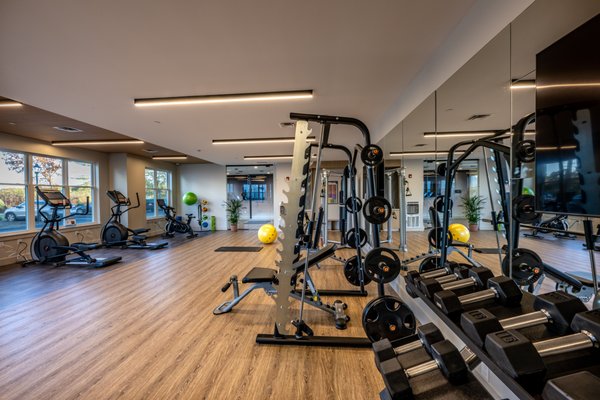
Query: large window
20,173
13,192
158,186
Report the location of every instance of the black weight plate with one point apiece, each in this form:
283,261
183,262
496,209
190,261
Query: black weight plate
377,210
371,155
429,264
356,200
351,238
387,317
524,209
351,272
526,151
441,169
527,266
382,265
435,237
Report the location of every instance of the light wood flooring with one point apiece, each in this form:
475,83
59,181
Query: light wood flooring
144,329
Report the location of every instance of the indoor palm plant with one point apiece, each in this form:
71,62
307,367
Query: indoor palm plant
233,207
473,206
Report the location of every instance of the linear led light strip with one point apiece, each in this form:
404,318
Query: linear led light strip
274,157
169,157
421,153
10,103
96,142
224,98
260,140
530,84
571,147
431,135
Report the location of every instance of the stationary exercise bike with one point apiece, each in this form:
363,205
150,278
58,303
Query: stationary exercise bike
173,224
49,246
115,234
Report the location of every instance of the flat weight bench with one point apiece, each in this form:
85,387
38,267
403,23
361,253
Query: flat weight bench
264,278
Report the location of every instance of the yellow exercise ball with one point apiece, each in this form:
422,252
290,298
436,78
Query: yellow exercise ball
267,233
460,233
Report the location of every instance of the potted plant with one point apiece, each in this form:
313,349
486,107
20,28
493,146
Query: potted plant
473,206
233,207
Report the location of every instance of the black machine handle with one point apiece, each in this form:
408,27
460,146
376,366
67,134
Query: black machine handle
329,119
87,209
225,287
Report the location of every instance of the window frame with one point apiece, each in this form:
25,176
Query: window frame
155,189
24,184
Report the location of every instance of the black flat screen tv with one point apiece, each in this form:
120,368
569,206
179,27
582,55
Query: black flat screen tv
567,165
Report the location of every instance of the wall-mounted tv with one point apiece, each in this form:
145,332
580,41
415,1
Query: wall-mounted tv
568,123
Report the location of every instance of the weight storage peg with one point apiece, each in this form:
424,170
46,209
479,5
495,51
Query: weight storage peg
427,335
522,359
446,358
501,290
477,278
555,309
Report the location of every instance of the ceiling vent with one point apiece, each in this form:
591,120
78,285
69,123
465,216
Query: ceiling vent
287,124
478,116
151,151
67,129
419,145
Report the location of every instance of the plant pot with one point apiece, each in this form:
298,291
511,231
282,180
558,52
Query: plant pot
233,227
473,227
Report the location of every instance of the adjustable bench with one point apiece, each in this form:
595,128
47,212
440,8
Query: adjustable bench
265,278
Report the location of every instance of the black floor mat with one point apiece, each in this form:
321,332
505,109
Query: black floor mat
248,249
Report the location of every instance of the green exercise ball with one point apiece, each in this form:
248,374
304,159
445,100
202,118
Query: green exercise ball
190,199
528,191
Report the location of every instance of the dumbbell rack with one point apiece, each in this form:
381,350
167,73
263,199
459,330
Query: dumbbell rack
495,381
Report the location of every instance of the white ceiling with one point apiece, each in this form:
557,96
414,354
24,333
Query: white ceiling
481,86
89,60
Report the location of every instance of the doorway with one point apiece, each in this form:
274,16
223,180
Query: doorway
253,185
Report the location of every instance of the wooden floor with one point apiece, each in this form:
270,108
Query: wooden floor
144,329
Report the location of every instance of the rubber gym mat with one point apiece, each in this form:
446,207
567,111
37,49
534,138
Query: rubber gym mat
248,249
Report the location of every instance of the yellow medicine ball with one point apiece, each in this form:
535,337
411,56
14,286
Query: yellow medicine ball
460,233
267,234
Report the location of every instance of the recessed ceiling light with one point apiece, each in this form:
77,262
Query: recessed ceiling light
12,123
96,142
287,124
175,157
68,129
256,167
10,103
421,153
260,140
224,98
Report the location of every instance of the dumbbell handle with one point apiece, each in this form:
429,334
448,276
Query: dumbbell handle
459,284
414,345
523,321
564,344
476,297
436,273
421,369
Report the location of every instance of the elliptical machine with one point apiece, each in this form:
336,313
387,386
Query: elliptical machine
556,223
49,246
173,224
115,234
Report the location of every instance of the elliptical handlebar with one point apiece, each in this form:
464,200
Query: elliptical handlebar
55,218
